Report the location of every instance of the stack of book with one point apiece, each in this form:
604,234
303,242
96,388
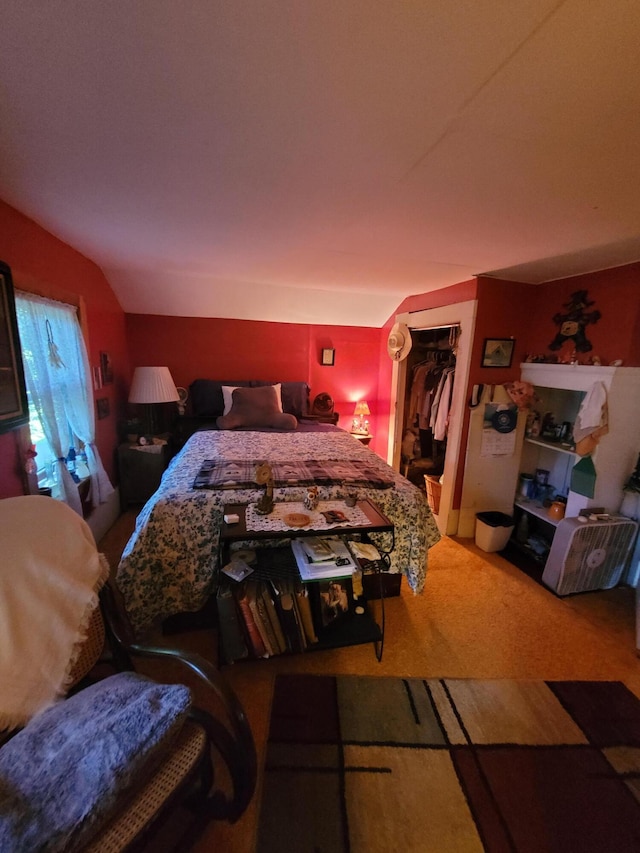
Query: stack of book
322,558
261,618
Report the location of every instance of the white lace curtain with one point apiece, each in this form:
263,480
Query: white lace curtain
59,384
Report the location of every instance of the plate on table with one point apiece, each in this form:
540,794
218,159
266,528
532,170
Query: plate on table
296,519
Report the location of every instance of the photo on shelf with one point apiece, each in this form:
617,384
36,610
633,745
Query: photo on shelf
335,598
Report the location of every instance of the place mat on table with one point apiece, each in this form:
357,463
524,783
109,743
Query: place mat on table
275,521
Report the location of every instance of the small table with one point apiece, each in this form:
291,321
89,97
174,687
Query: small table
362,628
363,437
140,470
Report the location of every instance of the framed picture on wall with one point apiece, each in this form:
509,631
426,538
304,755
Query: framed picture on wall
106,368
14,410
328,357
497,352
102,408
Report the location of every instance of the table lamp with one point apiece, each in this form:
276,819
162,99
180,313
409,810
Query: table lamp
359,424
152,385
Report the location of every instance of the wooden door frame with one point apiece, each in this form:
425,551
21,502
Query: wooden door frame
462,314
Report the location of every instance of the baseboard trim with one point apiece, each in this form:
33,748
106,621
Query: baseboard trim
104,516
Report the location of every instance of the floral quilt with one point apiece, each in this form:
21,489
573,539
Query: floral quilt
170,563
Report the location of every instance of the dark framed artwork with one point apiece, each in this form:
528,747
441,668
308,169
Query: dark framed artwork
328,357
102,407
497,352
14,409
106,368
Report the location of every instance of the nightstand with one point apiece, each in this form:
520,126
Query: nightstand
322,419
363,438
140,470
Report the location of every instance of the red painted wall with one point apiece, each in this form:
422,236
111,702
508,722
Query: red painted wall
239,349
615,293
524,312
39,259
194,347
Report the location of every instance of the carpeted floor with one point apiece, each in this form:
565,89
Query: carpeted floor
366,764
478,618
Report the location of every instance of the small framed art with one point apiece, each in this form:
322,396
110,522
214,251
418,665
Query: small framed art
328,357
497,352
102,407
335,599
106,368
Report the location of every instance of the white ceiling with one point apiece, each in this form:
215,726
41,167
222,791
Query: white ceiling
319,160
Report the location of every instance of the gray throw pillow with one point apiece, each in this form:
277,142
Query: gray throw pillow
256,408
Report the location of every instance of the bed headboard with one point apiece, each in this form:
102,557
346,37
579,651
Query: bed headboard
207,400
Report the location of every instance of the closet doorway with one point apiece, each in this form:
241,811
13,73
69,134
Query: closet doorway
433,326
431,365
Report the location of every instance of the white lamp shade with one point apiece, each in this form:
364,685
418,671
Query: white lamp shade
153,385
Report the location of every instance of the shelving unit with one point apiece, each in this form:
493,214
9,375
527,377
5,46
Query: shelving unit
561,389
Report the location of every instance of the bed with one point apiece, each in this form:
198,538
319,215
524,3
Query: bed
170,563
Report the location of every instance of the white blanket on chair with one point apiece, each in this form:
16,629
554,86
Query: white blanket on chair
50,573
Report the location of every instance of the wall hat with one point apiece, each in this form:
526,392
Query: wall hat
399,342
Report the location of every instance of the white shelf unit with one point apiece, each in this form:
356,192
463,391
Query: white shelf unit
616,454
562,389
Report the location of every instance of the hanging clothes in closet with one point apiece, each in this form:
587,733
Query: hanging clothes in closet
428,402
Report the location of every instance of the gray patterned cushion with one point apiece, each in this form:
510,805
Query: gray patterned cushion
62,774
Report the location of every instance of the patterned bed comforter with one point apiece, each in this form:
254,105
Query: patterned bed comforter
169,564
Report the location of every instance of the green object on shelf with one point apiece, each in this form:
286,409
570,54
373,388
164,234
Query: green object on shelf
583,477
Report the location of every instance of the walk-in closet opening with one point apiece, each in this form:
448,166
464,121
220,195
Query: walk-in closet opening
425,440
431,366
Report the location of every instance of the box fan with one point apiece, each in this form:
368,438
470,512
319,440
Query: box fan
588,555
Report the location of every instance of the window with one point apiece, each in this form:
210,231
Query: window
59,391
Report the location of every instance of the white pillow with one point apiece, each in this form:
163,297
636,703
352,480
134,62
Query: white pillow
227,396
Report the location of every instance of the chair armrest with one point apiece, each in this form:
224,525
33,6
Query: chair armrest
235,743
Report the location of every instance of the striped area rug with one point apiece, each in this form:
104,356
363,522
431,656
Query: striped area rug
365,764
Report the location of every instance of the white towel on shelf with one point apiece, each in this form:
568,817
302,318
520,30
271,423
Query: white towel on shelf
50,574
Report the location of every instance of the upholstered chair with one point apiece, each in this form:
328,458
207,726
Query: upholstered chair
94,755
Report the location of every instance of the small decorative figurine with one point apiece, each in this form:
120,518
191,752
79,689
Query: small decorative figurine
311,499
264,477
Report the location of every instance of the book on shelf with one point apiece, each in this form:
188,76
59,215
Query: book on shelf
339,564
256,605
232,635
287,610
304,609
254,638
271,617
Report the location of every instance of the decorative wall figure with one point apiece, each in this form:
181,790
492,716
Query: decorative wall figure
573,322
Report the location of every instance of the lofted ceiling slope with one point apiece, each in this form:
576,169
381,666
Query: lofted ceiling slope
320,161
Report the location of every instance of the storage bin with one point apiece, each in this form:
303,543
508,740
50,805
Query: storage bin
391,582
493,530
433,487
